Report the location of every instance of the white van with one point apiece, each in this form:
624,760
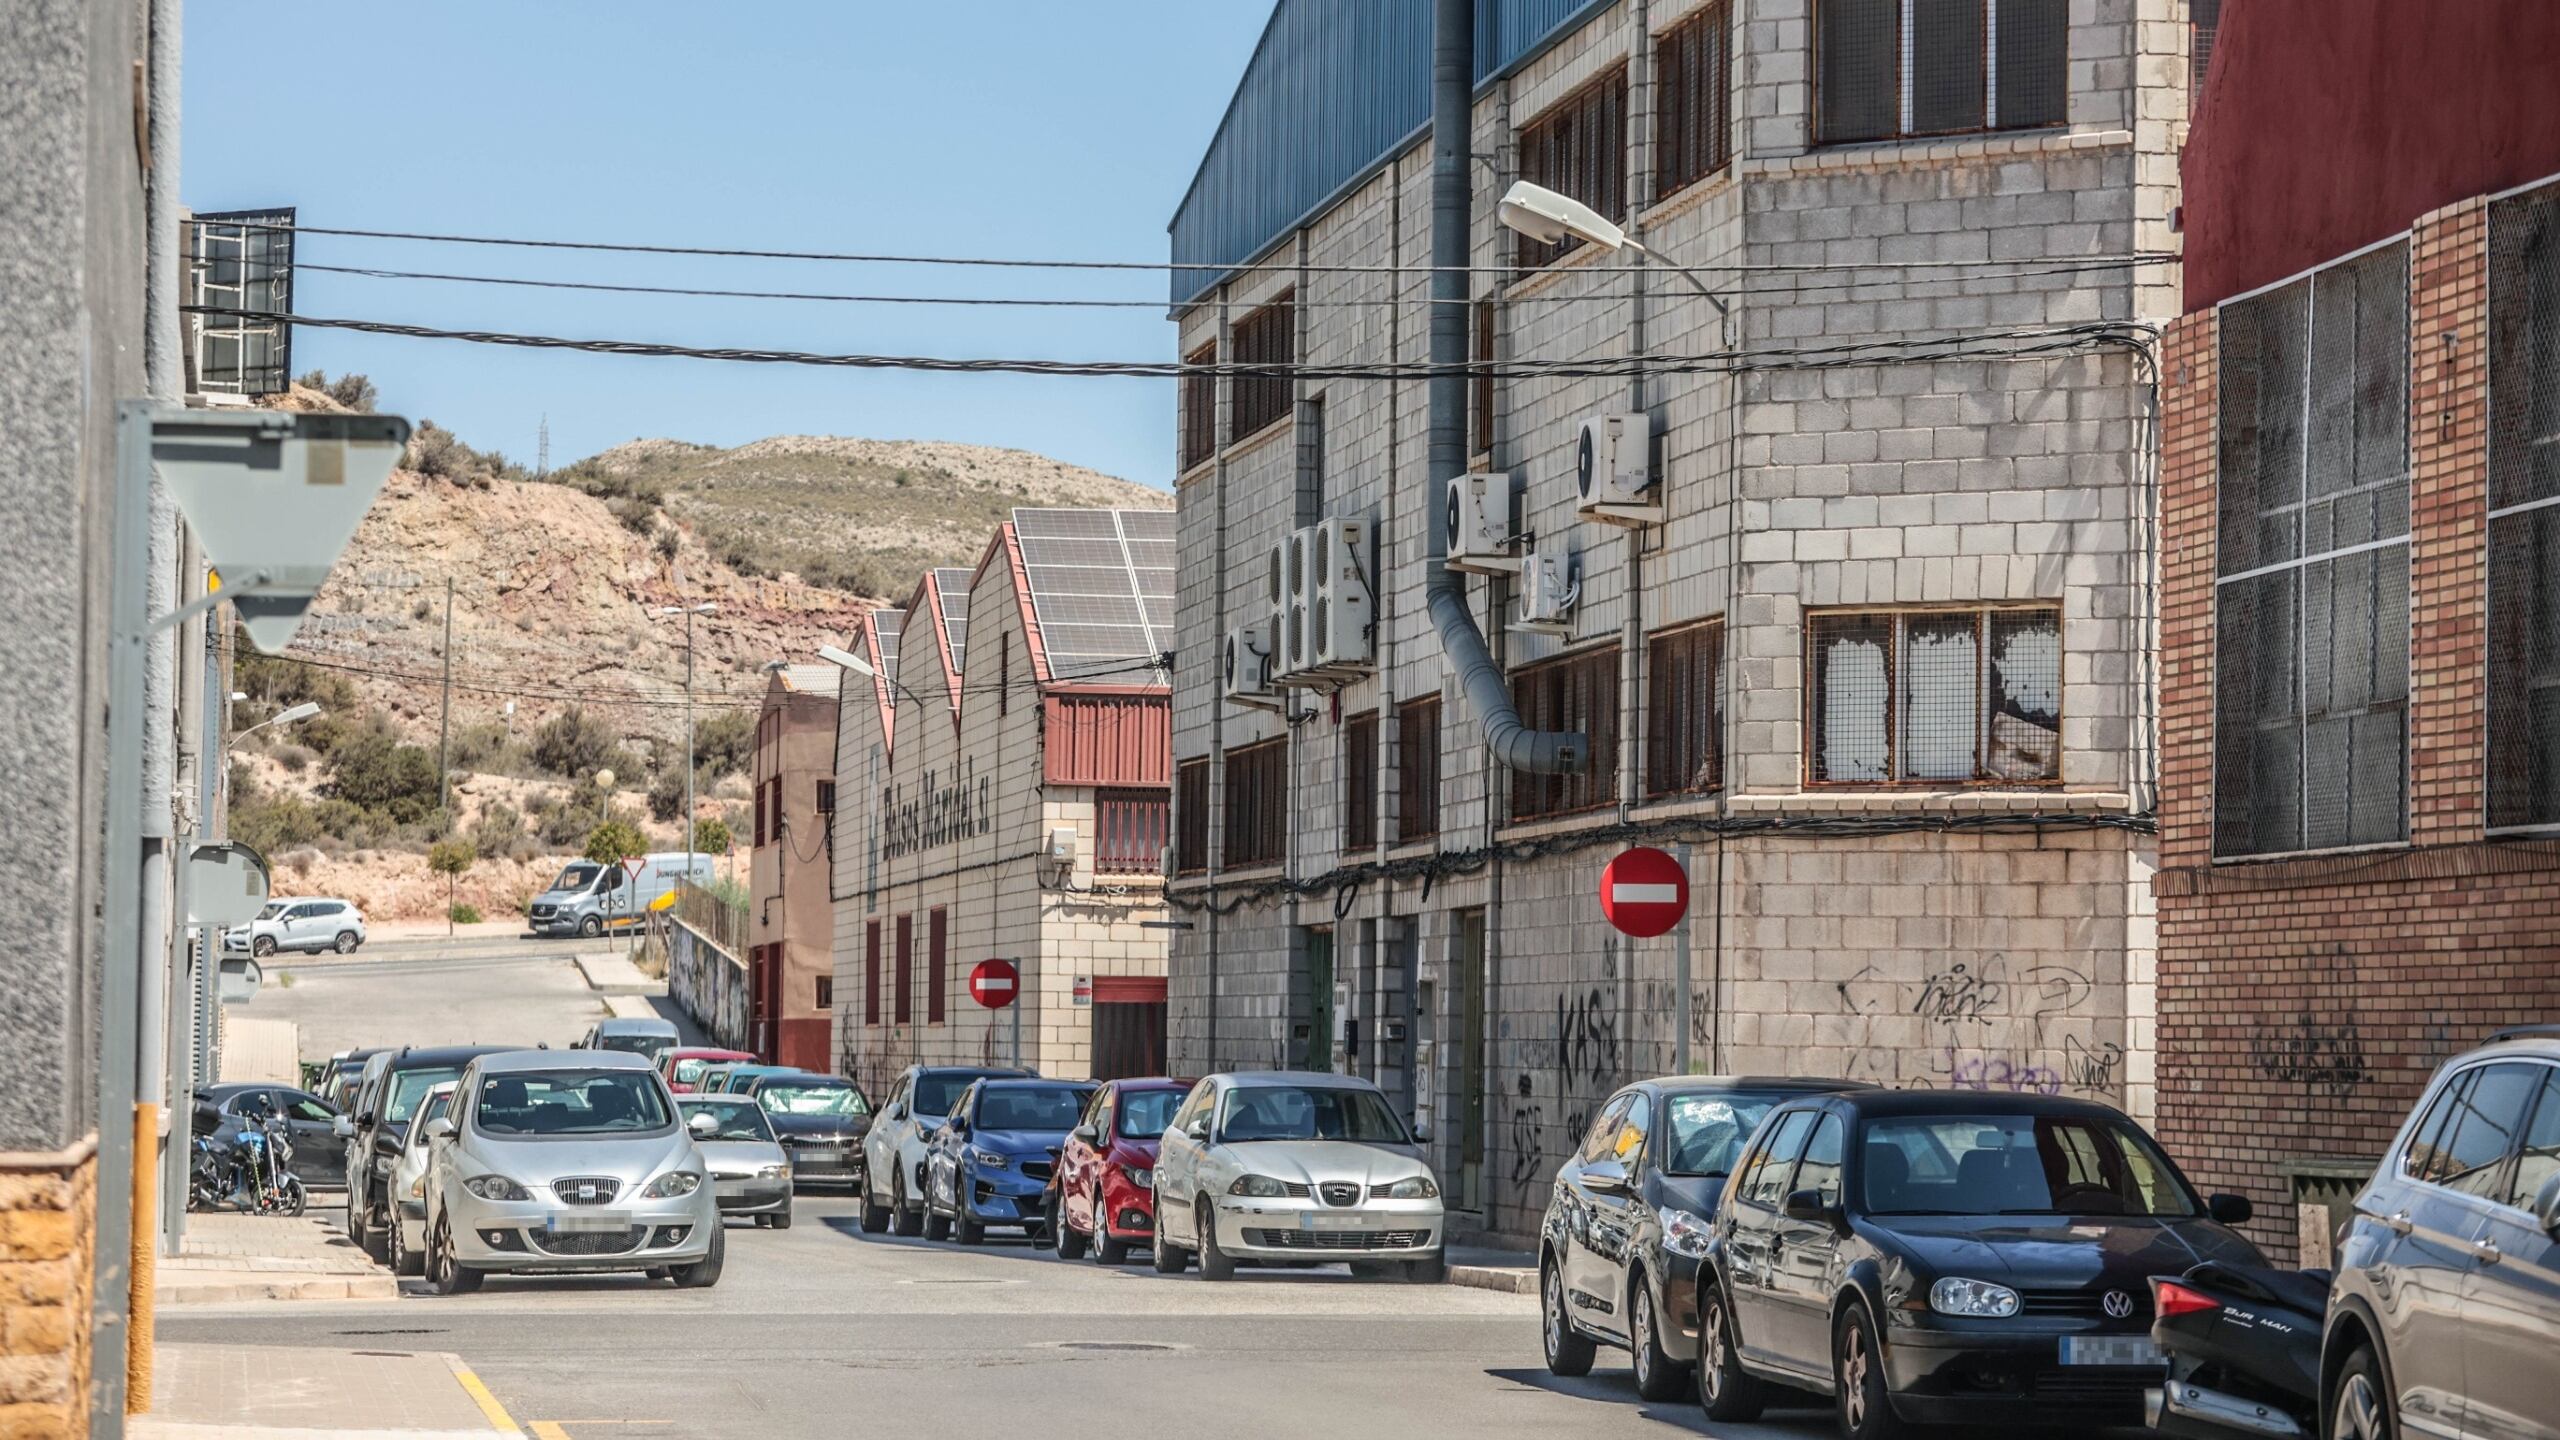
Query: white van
589,899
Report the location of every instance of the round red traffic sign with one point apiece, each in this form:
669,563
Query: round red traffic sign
1644,892
993,983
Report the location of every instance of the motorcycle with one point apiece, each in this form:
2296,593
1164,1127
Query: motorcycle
2244,1352
247,1170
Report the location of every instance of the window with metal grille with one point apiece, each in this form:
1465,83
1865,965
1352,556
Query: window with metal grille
2204,17
1934,697
1191,815
1129,831
1268,336
827,815
1199,406
1888,69
1418,769
1693,98
2524,510
904,981
937,954
1577,147
1360,781
871,972
824,992
1257,815
2311,595
1480,391
1684,710
1577,693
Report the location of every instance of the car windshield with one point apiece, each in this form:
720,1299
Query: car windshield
269,912
813,1100
1297,1112
438,1104
570,1102
634,1044
1028,1107
935,1094
2017,1165
1145,1113
738,1119
576,876
688,1071
411,1086
1706,1133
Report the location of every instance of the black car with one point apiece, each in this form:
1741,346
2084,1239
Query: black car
1631,1213
311,1120
820,1120
340,1078
1951,1257
395,1084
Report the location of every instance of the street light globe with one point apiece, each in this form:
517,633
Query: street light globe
1549,218
604,778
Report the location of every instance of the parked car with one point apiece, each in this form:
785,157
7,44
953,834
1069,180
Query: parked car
345,1070
396,1083
1630,1214
558,1162
1948,1256
750,1172
312,1123
1104,1197
820,1120
298,924
405,1237
736,1078
990,1162
588,899
685,1066
1291,1166
2444,1317
645,1036
893,1149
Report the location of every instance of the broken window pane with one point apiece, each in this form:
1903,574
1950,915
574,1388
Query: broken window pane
1941,685
2025,742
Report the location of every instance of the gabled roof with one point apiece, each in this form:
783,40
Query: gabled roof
808,679
940,608
875,638
1096,591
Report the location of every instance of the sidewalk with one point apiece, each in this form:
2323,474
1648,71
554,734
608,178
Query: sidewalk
1512,1271
610,972
280,1392
228,1257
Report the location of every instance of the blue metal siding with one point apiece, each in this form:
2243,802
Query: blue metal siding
1334,88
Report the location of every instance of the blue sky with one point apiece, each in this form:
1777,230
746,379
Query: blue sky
998,128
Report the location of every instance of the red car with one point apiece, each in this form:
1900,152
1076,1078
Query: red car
683,1066
1105,1194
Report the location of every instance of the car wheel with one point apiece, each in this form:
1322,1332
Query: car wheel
1857,1374
374,1243
1064,1239
1725,1390
781,1218
1170,1259
445,1274
704,1273
263,946
903,1219
875,1216
1658,1375
1214,1264
1108,1249
659,1272
965,1227
2359,1406
404,1261
1430,1270
355,1221
1569,1352
936,1226
346,942
591,927
1371,1269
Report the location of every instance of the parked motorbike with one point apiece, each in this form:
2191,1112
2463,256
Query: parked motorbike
247,1168
2244,1352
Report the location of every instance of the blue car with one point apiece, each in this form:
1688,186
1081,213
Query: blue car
990,1161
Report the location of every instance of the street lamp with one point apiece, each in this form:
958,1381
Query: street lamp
303,711
1550,219
847,659
688,612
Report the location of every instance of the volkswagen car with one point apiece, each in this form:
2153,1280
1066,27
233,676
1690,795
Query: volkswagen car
820,1119
564,1162
1289,1166
893,1149
990,1163
1104,1199
1950,1257
750,1173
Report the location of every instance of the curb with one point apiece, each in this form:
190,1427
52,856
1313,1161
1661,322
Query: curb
227,1290
1507,1279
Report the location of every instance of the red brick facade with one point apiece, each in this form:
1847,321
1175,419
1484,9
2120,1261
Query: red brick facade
2303,1002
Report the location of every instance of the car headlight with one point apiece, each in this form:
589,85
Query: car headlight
1956,1296
774,1172
1684,1233
673,1185
987,1159
496,1187
1412,1187
1142,1176
1261,1187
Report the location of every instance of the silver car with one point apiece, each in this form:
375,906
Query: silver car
304,923
405,1238
558,1162
750,1172
1294,1166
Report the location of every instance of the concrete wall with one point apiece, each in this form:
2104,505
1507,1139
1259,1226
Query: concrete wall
790,903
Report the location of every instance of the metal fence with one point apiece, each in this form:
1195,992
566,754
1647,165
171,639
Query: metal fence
706,965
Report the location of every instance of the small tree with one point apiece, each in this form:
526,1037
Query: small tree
615,841
449,858
711,837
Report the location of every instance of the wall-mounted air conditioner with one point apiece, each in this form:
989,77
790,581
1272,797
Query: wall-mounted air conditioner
1296,595
1613,471
1345,605
1479,520
1245,665
1550,583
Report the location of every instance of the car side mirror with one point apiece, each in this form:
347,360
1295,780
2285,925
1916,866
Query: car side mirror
440,1128
2230,1209
1087,1134
1611,1181
386,1142
343,1128
703,1125
1809,1207
365,1121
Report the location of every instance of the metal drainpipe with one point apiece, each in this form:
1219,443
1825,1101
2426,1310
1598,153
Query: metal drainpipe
1488,693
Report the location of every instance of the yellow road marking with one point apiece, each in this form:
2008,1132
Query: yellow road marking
489,1407
549,1430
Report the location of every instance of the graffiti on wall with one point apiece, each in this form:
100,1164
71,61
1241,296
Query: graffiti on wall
2326,1059
1983,1025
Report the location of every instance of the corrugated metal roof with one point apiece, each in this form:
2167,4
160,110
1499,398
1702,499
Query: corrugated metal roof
1334,88
810,679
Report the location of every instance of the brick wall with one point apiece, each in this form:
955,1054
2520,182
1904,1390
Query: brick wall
45,1216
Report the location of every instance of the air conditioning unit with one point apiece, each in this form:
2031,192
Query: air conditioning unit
1295,597
1613,471
1345,607
1245,666
1550,583
1479,520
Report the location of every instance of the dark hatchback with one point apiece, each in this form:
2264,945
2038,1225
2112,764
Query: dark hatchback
820,1120
1630,1215
1949,1257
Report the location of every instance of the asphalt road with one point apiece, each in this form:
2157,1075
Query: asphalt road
430,993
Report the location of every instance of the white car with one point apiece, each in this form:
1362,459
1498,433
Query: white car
1295,1166
893,1149
298,924
405,1238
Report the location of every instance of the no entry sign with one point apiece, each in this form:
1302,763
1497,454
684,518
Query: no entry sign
1644,892
993,983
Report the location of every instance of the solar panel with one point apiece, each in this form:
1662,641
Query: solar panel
886,626
1093,575
951,585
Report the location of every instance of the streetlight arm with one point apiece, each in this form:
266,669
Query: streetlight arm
1685,273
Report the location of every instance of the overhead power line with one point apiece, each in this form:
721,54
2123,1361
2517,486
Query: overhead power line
529,688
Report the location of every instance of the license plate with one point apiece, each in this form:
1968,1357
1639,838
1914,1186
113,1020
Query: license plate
2111,1350
589,1224
1314,1220
823,1157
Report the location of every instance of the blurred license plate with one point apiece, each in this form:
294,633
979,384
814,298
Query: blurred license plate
1312,1220
590,1224
2111,1350
822,1157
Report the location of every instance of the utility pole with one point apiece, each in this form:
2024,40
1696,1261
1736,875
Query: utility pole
444,725
688,612
542,450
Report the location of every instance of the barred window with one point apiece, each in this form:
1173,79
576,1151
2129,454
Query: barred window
1693,98
1577,147
1257,817
1418,769
2524,510
903,979
1199,405
2204,18
1480,391
871,972
1577,693
1268,336
1684,710
1888,69
1935,697
1191,817
1360,781
2311,650
937,955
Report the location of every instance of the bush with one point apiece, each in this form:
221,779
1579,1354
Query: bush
565,825
711,837
354,391
497,832
637,516
438,453
668,542
573,746
294,759
376,773
724,742
666,794
615,841
486,747
463,914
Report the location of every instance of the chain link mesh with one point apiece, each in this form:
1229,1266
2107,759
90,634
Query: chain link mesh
2524,509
